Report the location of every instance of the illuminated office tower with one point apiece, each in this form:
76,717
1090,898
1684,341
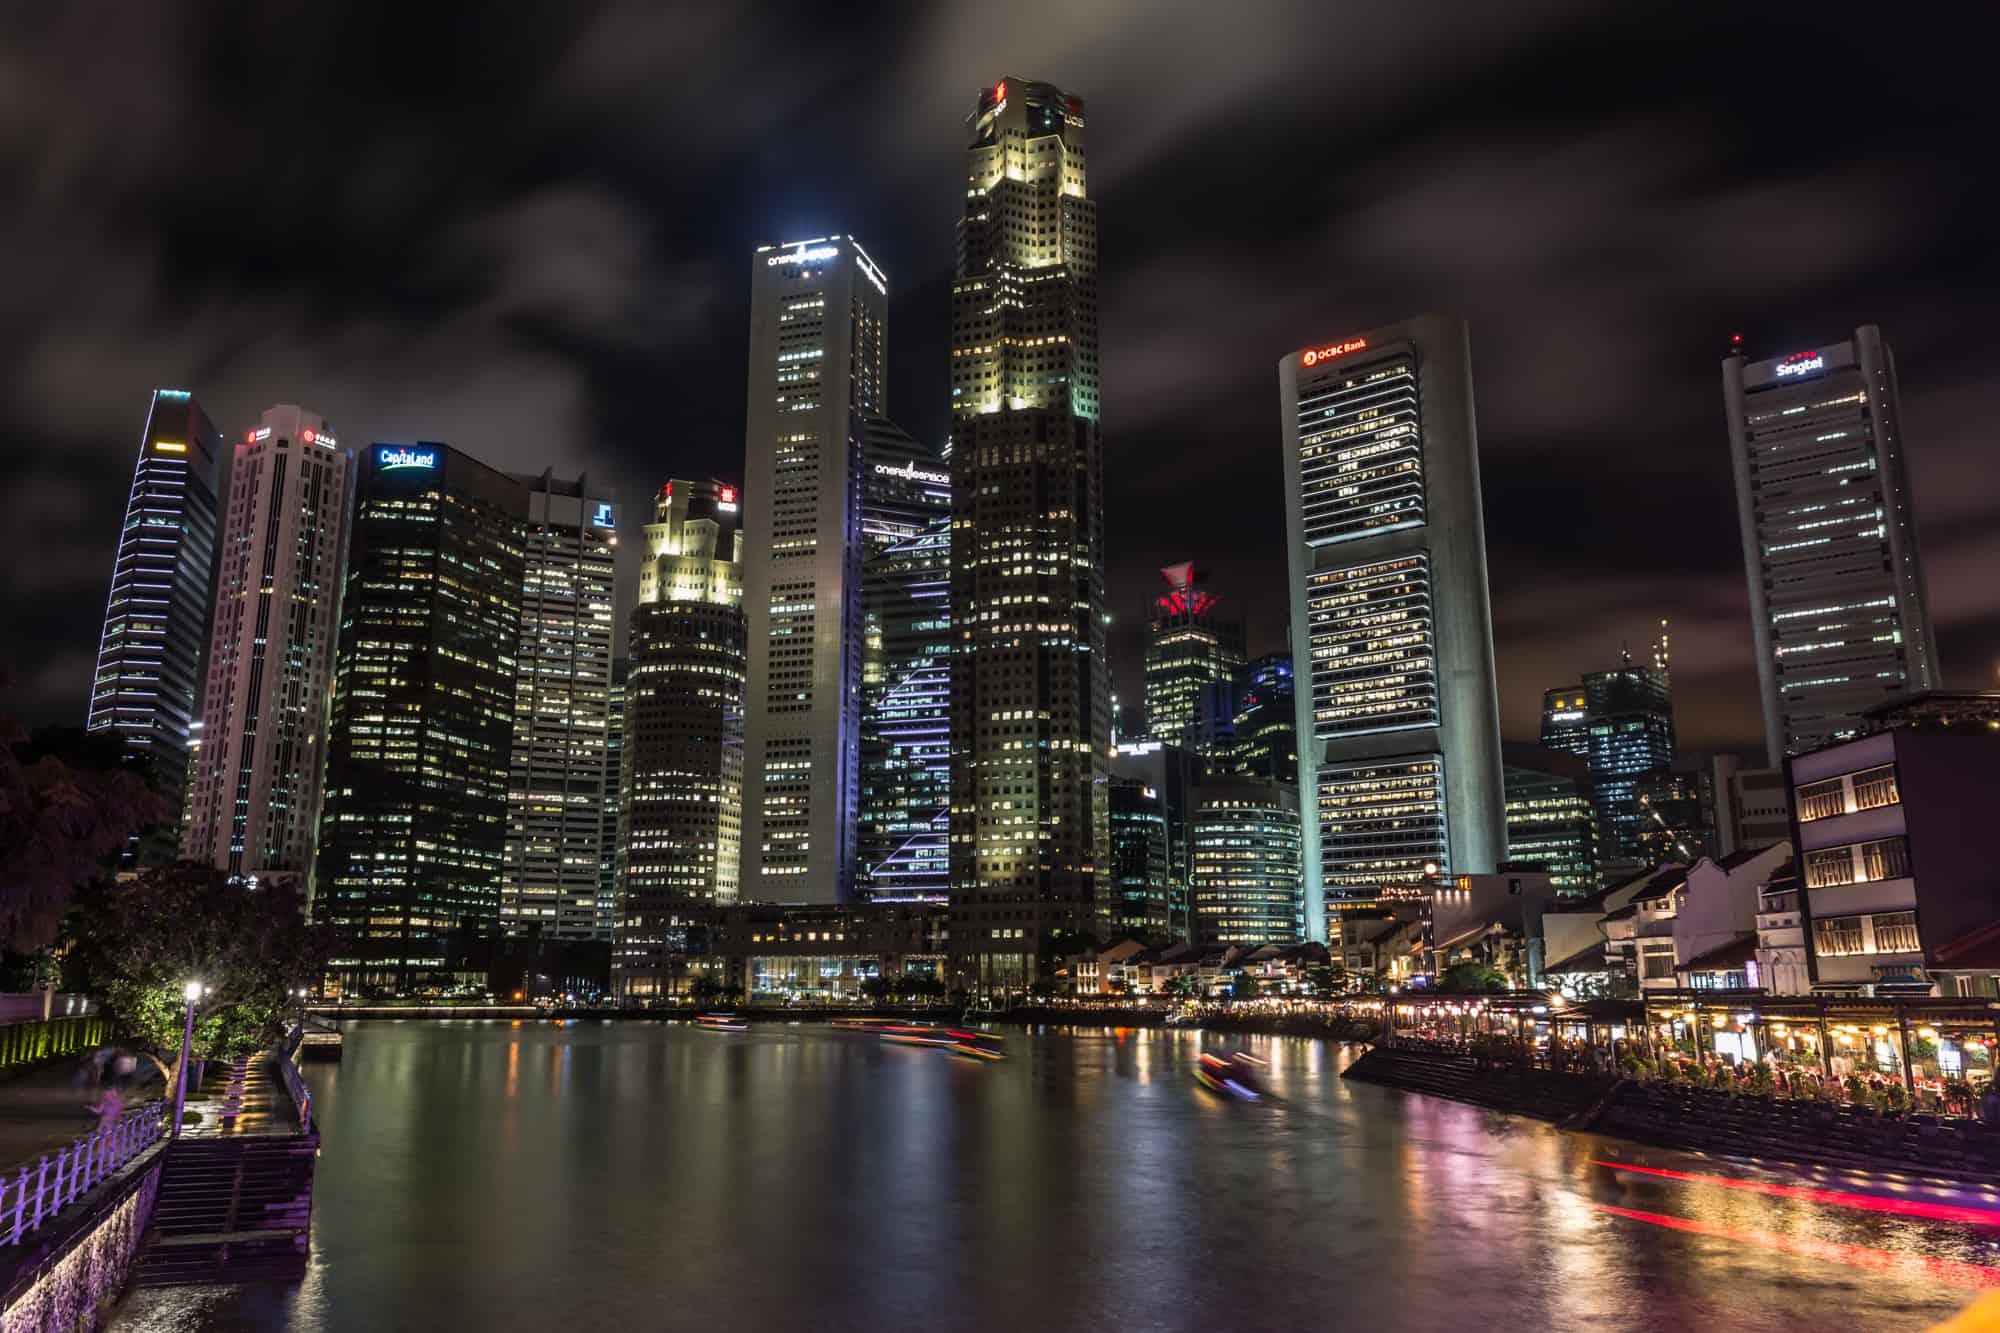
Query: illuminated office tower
1138,889
254,805
413,837
907,681
681,789
1566,721
906,669
1031,708
151,655
1189,650
1838,605
1399,721
1265,730
610,855
817,355
1246,872
556,806
1630,712
1551,819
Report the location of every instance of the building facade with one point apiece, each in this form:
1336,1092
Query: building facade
681,789
902,844
1247,875
152,655
1264,739
1398,714
556,793
1895,898
1137,888
413,836
1838,607
1551,819
1191,651
1031,707
818,361
254,802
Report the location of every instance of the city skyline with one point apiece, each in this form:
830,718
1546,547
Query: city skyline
544,360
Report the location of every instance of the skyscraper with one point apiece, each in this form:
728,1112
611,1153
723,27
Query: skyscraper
681,791
151,655
1031,708
1137,888
1265,740
413,838
255,799
1399,720
1566,721
1551,819
1247,873
1189,650
1173,775
556,807
1630,717
818,312
1838,606
905,668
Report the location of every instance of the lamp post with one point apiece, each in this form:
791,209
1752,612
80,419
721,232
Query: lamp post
193,991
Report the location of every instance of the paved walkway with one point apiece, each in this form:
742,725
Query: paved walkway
45,1109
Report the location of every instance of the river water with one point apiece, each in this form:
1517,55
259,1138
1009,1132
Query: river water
495,1175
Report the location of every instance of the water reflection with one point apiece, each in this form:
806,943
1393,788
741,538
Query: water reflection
639,1175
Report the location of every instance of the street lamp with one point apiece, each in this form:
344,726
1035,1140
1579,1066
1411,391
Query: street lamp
194,990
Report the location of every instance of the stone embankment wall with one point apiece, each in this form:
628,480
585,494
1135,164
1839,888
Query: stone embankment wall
68,1273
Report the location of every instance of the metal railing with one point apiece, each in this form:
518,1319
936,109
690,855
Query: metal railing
45,1189
295,1083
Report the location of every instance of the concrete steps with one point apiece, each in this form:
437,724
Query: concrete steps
231,1210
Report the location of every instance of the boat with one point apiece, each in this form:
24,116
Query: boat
978,1045
721,1023
1233,1075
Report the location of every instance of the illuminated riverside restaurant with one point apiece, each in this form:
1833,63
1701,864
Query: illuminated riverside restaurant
1939,1050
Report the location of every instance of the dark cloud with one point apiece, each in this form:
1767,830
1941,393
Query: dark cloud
527,232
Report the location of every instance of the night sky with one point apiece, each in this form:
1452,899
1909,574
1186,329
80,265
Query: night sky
530,236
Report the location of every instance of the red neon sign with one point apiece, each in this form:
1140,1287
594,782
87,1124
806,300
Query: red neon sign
1000,91
1314,355
729,495
307,435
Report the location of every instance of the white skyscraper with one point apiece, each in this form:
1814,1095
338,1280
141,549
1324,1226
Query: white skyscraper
254,807
556,791
1392,629
1837,599
817,356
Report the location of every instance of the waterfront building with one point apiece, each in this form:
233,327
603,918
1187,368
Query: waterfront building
1031,715
152,654
818,365
1838,606
1192,655
1246,876
1137,891
254,799
1173,774
1264,739
1551,819
902,844
556,806
1781,936
681,789
1399,719
1896,898
413,837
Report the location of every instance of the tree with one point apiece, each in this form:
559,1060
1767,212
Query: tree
68,802
1471,978
139,943
1243,986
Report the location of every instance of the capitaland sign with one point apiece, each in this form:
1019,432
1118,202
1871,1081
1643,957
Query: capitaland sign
1800,363
911,472
393,458
803,256
1312,356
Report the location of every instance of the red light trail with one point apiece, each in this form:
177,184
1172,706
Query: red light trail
1874,1203
1857,1256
